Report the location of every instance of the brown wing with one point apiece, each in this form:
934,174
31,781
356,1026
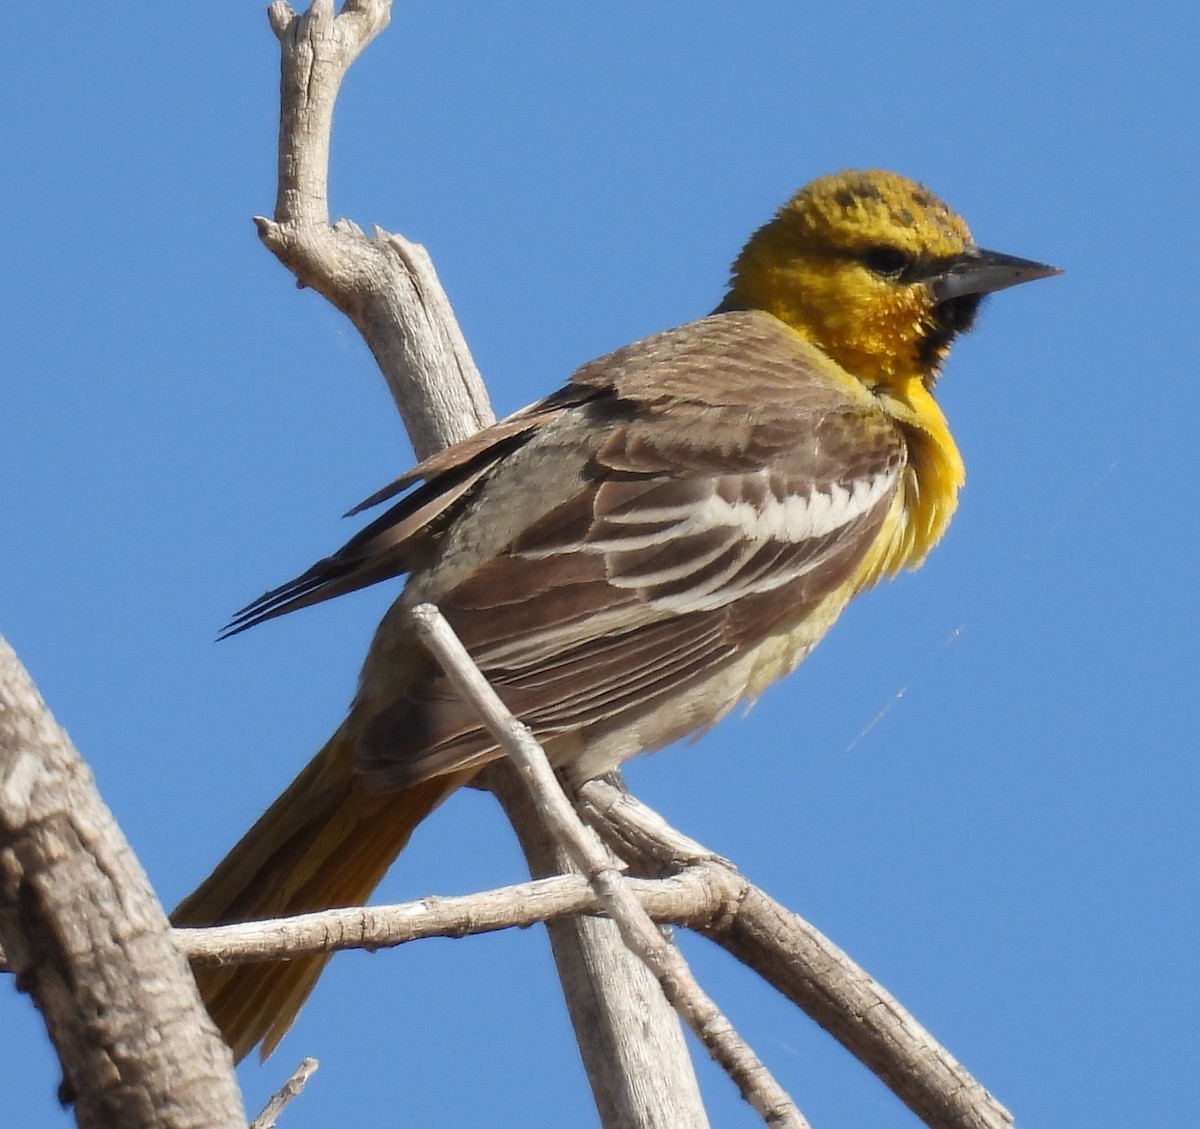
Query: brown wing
733,482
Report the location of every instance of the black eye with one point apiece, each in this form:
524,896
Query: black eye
890,262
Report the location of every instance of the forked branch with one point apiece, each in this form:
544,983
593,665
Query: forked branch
388,289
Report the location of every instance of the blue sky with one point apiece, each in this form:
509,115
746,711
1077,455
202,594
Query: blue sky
982,785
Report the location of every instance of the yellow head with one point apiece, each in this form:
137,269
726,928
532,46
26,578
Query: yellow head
875,271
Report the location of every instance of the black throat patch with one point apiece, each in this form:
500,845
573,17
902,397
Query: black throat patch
950,318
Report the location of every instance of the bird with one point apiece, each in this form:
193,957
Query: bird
636,554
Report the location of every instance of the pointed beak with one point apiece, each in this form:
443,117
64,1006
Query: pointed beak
977,271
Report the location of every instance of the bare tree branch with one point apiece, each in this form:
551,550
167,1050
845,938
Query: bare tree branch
811,971
700,892
638,1077
695,889
385,285
286,1094
388,289
89,942
639,933
695,896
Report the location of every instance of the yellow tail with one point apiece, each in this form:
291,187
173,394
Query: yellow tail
325,842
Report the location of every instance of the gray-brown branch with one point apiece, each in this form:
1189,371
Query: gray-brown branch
389,290
88,941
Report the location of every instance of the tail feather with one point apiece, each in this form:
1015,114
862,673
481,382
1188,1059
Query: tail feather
326,842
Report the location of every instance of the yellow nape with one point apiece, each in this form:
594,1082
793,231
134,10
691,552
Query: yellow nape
822,266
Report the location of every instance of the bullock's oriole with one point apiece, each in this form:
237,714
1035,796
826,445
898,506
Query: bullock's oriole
632,556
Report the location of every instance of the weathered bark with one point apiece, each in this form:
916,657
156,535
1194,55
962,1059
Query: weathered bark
88,941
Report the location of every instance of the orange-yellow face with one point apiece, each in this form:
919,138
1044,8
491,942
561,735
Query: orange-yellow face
848,262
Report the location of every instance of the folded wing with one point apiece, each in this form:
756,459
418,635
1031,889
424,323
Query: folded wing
702,525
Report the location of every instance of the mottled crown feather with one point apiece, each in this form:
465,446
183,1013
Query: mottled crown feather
857,208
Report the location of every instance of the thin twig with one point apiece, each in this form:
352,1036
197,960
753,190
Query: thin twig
287,1093
694,897
640,934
